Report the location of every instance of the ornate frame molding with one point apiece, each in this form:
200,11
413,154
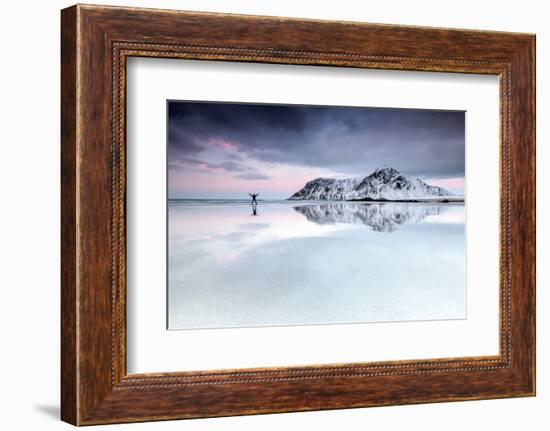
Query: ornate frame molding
96,41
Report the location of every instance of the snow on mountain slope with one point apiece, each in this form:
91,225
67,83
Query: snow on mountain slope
384,183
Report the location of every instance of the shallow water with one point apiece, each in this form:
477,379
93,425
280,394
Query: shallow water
303,263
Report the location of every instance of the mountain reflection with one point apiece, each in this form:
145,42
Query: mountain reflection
380,217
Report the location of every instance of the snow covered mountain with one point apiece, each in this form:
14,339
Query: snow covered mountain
384,183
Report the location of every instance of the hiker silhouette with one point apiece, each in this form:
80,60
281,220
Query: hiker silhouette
254,195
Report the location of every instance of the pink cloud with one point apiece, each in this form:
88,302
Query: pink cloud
222,143
281,179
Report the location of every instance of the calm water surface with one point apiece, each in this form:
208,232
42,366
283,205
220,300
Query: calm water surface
303,263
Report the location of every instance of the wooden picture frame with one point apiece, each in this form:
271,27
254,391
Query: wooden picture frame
95,43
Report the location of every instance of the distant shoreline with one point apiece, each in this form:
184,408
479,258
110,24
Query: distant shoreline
446,199
429,199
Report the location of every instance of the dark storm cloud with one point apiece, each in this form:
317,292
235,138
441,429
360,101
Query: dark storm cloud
228,165
347,140
252,176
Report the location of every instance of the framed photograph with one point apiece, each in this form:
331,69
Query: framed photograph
315,240
264,214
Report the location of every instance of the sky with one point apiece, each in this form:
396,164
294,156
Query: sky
227,150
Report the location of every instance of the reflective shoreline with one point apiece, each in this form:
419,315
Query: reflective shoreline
304,262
